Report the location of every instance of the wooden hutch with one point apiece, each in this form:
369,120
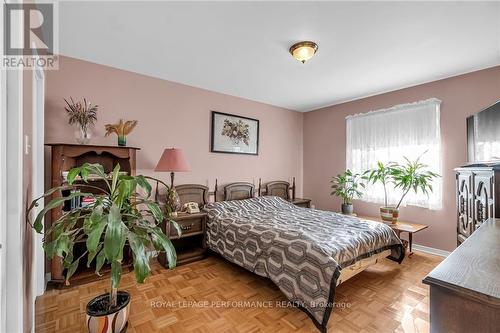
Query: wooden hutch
476,193
66,156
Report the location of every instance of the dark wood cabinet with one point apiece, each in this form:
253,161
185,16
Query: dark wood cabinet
191,245
465,287
67,156
476,188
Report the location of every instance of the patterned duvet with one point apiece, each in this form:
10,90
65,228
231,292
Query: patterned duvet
301,250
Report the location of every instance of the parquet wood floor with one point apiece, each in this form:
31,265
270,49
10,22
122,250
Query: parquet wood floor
387,297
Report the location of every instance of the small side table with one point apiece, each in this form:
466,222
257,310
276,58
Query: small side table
300,202
191,245
400,227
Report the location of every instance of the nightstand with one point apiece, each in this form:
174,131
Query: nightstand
305,203
191,245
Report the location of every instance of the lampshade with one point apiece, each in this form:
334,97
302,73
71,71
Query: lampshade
303,51
172,160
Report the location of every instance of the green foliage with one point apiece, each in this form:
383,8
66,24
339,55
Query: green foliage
120,215
382,174
348,186
412,175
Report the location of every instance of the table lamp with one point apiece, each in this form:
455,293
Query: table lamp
172,160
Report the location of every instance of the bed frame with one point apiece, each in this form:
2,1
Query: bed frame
243,190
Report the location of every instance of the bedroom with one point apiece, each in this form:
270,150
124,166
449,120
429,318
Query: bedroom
261,140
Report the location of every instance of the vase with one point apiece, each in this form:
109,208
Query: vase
347,209
122,140
389,214
100,319
82,134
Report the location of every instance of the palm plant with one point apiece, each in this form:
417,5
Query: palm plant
382,174
121,214
412,175
348,186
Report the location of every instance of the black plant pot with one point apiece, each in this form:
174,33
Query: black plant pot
347,209
102,320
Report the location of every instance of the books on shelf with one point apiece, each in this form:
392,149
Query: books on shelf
92,177
87,201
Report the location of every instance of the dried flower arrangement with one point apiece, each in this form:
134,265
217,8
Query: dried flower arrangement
236,131
84,115
122,129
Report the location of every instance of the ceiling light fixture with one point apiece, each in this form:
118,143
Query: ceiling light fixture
303,51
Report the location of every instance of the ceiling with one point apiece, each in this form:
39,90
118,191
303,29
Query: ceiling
241,48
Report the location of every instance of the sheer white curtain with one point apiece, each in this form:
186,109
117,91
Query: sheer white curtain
407,130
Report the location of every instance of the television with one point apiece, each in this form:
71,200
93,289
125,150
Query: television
483,136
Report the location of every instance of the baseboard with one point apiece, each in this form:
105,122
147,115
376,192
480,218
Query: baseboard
430,250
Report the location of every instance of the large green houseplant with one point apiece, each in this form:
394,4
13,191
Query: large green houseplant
348,186
408,176
121,214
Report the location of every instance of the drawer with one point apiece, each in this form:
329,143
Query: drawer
304,204
188,227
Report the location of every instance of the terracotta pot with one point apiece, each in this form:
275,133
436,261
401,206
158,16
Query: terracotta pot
104,321
389,214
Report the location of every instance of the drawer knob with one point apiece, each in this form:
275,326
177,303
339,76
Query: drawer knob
186,227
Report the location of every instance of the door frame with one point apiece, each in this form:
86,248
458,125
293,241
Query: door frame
3,190
11,168
38,169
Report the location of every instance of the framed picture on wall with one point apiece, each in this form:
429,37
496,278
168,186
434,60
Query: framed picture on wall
234,134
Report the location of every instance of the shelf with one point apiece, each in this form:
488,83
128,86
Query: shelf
188,255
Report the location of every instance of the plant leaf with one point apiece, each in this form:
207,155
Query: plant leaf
71,270
141,258
142,182
167,247
56,202
156,211
72,175
92,255
99,262
114,234
96,231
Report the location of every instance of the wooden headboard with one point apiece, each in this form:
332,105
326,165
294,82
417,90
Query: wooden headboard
279,189
192,193
238,191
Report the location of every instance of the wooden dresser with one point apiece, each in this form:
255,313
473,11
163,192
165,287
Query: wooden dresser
476,188
465,287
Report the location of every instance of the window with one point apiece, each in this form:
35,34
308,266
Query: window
409,130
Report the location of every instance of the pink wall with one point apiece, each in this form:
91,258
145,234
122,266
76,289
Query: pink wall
171,114
174,115
324,146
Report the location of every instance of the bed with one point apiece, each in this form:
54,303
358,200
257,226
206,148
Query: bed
305,252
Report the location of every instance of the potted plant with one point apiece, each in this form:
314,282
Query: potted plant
120,214
347,186
122,129
412,175
83,116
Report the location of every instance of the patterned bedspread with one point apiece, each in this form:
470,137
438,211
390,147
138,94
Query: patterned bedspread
301,250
